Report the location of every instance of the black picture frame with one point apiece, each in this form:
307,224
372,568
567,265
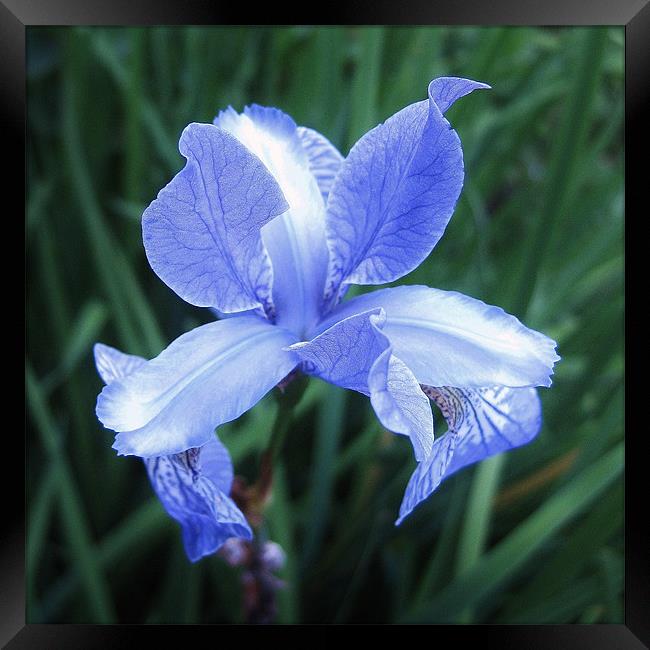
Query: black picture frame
17,15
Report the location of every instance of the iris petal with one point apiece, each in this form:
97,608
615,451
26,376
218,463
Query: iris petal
446,90
207,515
399,402
193,485
202,233
449,339
395,194
296,240
355,354
112,364
482,422
206,377
324,158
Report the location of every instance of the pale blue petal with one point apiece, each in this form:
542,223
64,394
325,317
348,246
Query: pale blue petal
449,339
355,354
494,420
324,158
206,377
446,90
295,241
345,353
216,464
482,422
399,402
202,234
393,197
427,475
208,517
112,364
193,485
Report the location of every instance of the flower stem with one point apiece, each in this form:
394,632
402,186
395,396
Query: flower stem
281,425
252,500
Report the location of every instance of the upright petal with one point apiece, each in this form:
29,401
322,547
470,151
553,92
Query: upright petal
449,339
394,194
446,90
482,422
193,486
355,354
324,158
202,233
194,496
295,241
206,377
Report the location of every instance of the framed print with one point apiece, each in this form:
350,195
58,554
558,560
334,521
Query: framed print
325,324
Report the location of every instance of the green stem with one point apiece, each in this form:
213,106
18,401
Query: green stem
283,419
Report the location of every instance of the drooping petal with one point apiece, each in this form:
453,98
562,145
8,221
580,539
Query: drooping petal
395,193
206,377
449,339
296,240
193,486
491,420
191,494
482,422
355,354
324,158
202,234
399,402
217,465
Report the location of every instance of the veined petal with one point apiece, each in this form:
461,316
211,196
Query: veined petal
395,193
355,354
344,353
191,494
482,422
206,377
202,234
193,486
296,240
112,364
449,339
324,158
446,90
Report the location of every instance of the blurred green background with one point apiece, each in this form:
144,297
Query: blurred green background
535,536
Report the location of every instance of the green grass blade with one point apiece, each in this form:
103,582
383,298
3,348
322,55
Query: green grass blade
503,561
41,507
84,332
74,520
115,272
329,429
562,166
365,85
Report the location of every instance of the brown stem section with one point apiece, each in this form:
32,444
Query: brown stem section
259,582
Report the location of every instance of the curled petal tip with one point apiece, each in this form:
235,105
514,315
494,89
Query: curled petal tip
444,91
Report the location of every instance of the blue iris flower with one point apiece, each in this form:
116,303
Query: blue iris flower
267,225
